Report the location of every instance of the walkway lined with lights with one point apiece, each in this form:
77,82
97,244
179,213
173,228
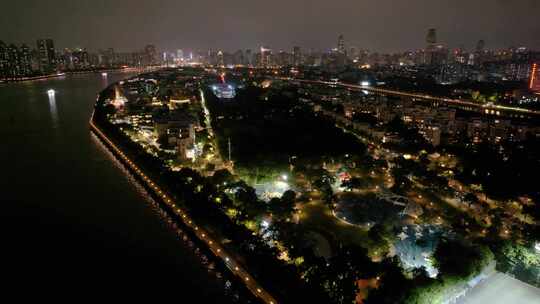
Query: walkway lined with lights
214,246
489,109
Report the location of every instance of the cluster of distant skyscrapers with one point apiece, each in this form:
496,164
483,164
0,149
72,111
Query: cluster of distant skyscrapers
434,60
23,61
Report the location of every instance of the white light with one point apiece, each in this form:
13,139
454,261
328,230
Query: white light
284,177
51,92
537,246
104,74
364,83
265,224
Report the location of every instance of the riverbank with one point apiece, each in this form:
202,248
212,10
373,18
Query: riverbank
33,78
179,214
79,223
44,77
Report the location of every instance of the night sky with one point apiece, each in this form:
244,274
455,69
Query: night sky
379,25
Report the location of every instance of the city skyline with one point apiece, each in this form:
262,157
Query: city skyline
308,151
237,25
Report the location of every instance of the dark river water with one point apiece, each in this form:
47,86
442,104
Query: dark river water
73,223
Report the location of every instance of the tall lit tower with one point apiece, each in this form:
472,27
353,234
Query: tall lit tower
265,56
220,59
341,44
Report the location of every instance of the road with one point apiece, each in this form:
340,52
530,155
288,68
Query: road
491,108
201,233
502,289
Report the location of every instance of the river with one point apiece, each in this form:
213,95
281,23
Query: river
72,221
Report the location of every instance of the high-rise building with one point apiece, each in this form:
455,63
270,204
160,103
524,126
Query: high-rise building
111,57
297,56
248,58
4,63
265,59
46,53
480,46
479,57
220,60
353,53
534,81
238,57
17,62
13,59
431,37
179,55
341,45
435,54
25,60
150,53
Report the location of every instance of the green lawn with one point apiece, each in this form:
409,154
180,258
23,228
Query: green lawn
317,217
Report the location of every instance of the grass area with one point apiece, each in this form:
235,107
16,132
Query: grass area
318,217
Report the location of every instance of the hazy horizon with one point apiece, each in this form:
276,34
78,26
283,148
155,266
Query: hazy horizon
380,26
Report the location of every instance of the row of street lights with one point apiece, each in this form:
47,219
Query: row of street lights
256,290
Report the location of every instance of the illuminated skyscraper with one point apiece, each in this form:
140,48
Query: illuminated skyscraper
534,81
25,60
220,60
46,53
266,54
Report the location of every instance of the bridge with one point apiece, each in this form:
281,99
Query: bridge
488,108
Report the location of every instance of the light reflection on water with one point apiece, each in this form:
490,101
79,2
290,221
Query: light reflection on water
53,109
104,80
